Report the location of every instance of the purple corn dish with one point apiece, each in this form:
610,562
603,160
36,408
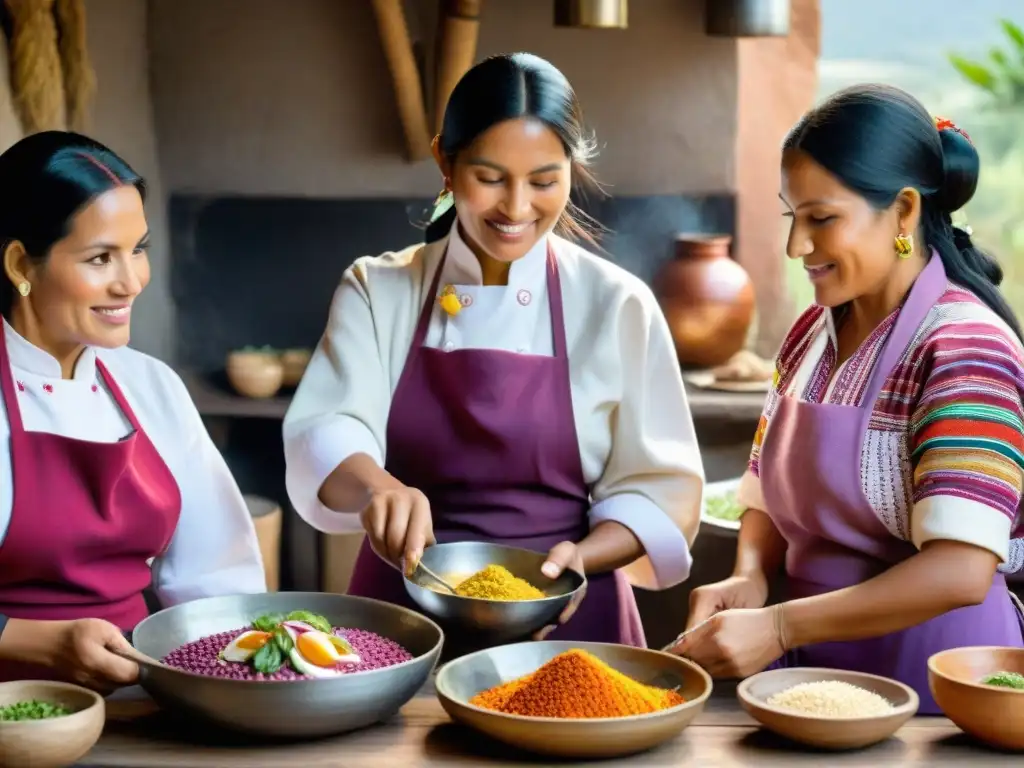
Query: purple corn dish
202,656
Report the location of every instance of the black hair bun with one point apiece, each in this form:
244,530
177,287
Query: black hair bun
960,169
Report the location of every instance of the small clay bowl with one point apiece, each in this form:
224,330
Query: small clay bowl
989,713
294,362
826,732
54,742
255,374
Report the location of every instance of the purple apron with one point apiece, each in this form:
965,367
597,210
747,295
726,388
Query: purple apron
489,437
811,479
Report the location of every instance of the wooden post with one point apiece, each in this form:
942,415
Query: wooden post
394,38
459,30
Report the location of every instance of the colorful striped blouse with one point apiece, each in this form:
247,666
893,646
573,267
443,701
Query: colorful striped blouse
943,456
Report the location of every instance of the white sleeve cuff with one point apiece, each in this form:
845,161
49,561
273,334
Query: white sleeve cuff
667,560
749,494
312,455
952,518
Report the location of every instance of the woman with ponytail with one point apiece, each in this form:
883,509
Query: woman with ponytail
886,473
500,383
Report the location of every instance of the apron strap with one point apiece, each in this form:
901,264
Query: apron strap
7,388
423,323
555,306
924,294
119,397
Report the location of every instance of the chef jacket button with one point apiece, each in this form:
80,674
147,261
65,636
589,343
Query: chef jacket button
523,297
449,346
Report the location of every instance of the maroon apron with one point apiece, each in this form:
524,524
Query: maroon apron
86,517
489,437
811,478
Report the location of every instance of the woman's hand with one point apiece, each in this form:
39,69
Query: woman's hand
398,524
734,592
81,651
562,556
735,643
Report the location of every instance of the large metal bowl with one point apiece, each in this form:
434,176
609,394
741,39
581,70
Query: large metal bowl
287,708
584,738
491,622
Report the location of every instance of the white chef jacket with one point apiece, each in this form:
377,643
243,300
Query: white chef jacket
637,442
214,550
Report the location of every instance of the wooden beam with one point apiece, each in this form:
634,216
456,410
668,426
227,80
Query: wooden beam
397,45
459,30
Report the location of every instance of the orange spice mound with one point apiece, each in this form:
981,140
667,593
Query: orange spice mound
576,684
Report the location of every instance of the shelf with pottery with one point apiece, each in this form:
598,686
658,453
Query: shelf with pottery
215,400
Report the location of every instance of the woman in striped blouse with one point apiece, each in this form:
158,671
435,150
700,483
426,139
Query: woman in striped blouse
886,473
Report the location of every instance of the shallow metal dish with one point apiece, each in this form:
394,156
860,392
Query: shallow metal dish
459,680
491,621
287,708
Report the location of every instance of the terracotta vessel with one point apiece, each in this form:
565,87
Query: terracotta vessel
707,298
255,374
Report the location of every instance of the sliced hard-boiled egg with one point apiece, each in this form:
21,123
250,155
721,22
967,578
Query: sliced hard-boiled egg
243,647
299,662
320,649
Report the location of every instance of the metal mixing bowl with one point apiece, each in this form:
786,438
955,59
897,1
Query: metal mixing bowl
583,738
287,708
491,621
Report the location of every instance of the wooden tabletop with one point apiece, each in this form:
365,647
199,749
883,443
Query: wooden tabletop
423,735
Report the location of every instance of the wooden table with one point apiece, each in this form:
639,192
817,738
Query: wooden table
422,735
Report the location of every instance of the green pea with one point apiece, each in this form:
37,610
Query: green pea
32,710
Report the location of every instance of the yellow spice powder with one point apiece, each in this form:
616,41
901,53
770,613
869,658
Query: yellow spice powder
496,583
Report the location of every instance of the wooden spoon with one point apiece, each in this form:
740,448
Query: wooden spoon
134,654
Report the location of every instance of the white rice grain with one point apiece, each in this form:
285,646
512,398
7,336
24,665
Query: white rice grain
831,698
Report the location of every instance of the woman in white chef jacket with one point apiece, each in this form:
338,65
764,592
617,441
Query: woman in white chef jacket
501,383
108,480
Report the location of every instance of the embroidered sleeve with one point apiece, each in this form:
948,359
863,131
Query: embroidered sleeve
966,439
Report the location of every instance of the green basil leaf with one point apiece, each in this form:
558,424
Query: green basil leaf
268,659
268,622
283,640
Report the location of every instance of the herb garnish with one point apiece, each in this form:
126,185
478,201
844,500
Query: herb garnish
274,654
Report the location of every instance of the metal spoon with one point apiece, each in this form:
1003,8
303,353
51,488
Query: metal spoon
433,576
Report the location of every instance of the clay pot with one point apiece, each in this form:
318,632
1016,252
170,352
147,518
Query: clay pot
707,298
255,374
294,362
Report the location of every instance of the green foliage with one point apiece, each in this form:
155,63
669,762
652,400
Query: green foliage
1002,75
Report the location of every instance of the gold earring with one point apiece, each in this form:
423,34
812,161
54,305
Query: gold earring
904,246
24,288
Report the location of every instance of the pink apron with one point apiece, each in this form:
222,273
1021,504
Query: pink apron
811,479
86,518
489,437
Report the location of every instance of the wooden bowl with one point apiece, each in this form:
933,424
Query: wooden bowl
55,742
826,732
255,374
578,738
988,713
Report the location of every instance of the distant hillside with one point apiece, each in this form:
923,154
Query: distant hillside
905,43
911,31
